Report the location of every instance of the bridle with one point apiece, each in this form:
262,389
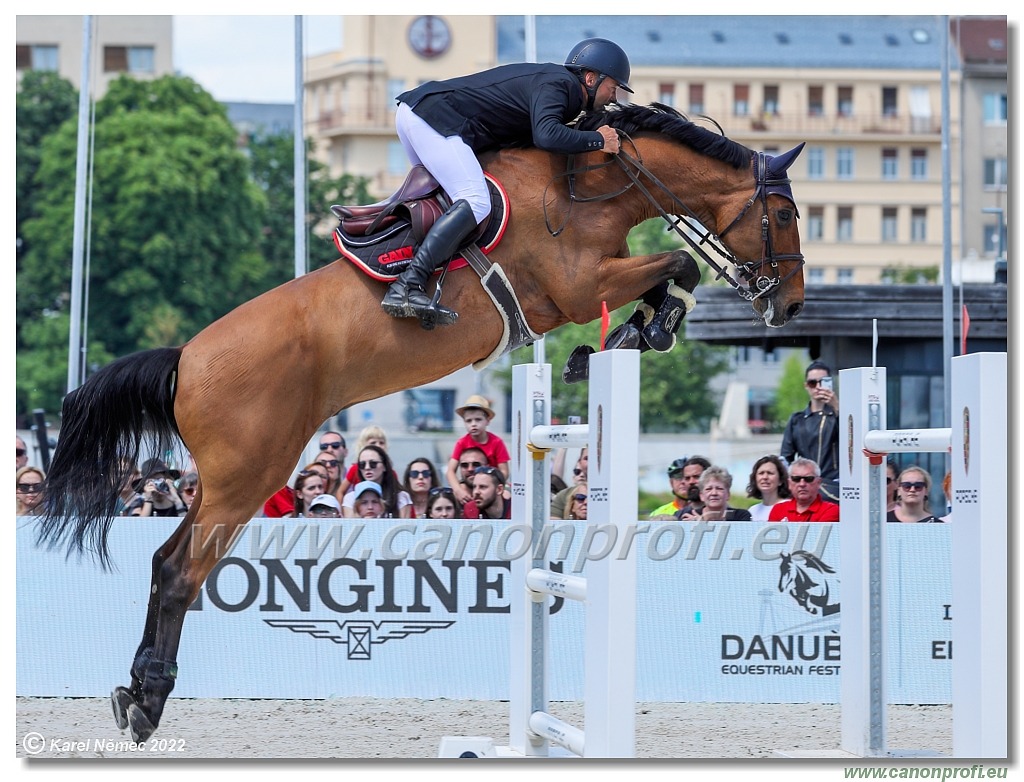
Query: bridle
757,283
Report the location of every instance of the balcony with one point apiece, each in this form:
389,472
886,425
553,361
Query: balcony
805,124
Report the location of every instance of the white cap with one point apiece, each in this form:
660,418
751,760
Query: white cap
326,499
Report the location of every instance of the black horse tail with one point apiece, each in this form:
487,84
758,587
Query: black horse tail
104,424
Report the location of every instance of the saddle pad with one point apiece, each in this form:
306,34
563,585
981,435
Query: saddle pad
387,253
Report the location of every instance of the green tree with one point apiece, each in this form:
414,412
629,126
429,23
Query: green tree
273,171
173,211
791,394
44,102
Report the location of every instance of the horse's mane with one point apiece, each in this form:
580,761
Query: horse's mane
659,118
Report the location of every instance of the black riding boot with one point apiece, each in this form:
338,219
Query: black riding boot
407,297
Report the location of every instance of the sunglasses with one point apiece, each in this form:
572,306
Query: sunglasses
803,478
30,488
190,490
813,383
577,471
370,465
19,451
470,465
328,462
441,490
918,485
580,497
889,480
488,470
420,473
325,446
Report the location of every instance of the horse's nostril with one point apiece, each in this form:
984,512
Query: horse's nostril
794,310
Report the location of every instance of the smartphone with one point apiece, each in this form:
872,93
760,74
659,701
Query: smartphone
826,382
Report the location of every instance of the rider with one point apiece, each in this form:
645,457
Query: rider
444,124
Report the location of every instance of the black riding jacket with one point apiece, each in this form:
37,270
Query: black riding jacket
522,103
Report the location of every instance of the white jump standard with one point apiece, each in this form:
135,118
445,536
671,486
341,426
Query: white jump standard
608,590
977,443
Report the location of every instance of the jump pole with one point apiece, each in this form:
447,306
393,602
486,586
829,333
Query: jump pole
608,588
977,442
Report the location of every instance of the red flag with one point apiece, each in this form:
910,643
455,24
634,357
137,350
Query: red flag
965,325
605,322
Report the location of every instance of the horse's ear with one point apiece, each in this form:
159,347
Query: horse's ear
779,164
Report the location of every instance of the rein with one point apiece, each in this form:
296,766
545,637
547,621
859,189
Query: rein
757,284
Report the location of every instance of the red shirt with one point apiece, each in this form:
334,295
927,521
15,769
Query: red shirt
819,510
281,503
494,449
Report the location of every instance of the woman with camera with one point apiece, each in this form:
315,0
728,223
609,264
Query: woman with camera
156,493
813,432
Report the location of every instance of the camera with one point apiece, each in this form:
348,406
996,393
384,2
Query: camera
826,383
161,486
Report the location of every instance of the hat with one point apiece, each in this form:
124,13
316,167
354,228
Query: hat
480,403
326,499
366,486
152,467
677,466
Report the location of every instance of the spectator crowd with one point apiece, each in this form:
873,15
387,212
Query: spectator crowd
797,484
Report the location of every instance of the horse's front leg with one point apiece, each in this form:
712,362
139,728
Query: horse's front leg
658,314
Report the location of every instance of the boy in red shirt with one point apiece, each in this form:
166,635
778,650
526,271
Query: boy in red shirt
476,415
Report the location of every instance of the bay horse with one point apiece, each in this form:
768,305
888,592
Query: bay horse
264,377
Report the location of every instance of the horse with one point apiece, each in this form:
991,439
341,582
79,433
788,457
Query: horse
267,374
806,578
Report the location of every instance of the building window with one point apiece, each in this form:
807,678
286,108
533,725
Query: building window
844,224
815,276
741,100
429,409
667,94
994,108
991,243
37,58
918,224
844,276
395,88
816,163
844,163
815,100
398,161
889,102
128,59
844,102
919,164
995,173
889,225
815,224
771,99
890,163
697,98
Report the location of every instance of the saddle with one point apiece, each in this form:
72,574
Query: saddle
381,238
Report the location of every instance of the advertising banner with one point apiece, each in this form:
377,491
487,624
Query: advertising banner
304,608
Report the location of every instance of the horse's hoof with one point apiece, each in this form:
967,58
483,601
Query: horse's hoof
577,366
624,337
139,725
120,699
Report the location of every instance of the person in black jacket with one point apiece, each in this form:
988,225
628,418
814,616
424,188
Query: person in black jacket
813,432
443,125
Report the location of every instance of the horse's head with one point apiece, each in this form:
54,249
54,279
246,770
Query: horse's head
765,242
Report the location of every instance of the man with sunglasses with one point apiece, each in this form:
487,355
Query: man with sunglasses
489,500
468,462
813,432
334,444
20,453
805,504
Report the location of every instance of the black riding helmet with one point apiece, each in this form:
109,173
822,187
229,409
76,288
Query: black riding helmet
603,57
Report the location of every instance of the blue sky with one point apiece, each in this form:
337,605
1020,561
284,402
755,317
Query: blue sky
249,58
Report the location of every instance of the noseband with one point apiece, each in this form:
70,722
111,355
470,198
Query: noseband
757,284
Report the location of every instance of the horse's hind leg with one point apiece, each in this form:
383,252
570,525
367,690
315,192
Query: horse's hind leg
122,697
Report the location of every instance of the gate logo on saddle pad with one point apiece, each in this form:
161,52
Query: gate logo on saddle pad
359,636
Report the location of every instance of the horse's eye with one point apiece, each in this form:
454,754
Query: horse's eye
784,216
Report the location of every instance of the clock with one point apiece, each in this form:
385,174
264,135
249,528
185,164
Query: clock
429,36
